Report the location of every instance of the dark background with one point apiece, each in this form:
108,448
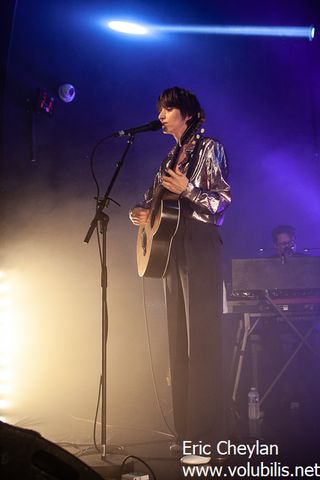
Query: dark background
261,96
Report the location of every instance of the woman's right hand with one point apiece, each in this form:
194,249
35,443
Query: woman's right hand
139,216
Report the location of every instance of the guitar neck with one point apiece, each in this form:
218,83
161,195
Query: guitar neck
161,192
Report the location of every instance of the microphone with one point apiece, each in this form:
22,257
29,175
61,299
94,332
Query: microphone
289,248
147,127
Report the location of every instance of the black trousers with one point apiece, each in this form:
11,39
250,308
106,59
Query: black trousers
193,292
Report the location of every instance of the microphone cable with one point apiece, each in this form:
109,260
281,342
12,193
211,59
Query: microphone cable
145,316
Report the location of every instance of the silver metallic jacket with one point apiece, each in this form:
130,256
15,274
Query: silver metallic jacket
208,193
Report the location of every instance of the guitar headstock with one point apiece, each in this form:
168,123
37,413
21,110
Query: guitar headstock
192,128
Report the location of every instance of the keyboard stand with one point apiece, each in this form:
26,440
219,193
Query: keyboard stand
247,326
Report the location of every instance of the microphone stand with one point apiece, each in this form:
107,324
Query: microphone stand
103,220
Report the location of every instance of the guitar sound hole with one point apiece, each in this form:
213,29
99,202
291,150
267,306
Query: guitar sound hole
144,242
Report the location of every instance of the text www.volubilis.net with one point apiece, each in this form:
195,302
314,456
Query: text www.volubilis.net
249,471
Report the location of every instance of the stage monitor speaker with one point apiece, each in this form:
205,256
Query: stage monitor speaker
25,454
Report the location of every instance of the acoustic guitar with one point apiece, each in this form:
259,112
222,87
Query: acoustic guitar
155,237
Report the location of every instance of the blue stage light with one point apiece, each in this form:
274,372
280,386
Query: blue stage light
127,27
272,31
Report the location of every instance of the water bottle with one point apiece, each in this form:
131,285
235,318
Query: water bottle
253,404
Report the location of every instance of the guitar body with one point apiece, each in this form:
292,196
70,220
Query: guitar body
155,239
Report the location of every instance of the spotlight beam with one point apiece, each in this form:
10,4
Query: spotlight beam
272,31
247,30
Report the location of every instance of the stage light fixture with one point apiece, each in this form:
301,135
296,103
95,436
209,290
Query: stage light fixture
44,102
6,341
67,92
312,33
